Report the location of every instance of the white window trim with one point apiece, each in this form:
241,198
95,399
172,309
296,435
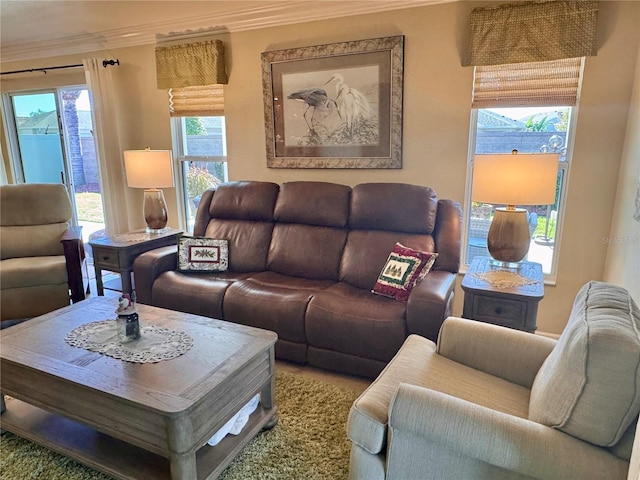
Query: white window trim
178,141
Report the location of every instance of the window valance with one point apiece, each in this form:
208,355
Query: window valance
191,64
532,32
203,101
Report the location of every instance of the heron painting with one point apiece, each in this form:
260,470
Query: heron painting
335,106
337,113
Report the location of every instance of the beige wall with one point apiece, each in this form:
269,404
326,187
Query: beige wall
623,242
437,95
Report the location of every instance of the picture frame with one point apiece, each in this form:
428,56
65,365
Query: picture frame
337,105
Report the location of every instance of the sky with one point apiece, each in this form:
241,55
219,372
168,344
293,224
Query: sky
28,103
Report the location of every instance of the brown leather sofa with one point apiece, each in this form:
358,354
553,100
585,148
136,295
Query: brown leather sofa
303,258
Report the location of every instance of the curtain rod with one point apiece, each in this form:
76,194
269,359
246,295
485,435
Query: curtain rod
105,64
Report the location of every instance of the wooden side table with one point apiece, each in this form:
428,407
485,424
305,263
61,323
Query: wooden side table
509,306
117,253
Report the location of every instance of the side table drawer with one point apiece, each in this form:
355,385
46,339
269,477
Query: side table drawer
509,313
105,258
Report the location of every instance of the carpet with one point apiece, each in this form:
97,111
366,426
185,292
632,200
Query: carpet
308,442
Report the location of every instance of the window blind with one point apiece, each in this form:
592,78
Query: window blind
530,84
536,31
202,101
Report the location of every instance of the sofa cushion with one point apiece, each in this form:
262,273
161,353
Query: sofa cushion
248,242
313,203
346,319
404,268
367,251
253,201
306,251
393,206
272,301
200,294
417,363
589,386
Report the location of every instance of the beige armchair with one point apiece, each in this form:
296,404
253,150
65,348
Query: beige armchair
41,256
488,402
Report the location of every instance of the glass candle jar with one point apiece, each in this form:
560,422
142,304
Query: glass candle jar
128,327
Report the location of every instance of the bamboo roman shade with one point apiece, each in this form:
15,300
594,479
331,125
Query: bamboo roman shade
202,101
531,84
532,32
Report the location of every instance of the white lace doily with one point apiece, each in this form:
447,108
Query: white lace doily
154,345
131,237
504,279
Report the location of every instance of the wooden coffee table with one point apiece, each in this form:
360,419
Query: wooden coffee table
136,421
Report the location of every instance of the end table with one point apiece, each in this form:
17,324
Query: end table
514,306
117,253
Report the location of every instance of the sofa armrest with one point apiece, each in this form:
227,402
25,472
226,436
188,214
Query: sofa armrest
493,437
149,266
73,248
513,355
448,236
430,303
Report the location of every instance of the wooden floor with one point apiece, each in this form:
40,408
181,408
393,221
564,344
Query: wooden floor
358,384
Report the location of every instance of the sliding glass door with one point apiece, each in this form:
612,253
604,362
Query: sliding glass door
51,140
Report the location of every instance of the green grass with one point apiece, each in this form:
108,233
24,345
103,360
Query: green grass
89,206
542,223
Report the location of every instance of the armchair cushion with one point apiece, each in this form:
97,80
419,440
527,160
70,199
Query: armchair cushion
418,363
589,386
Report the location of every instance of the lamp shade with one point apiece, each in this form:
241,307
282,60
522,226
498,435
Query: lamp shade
148,168
515,179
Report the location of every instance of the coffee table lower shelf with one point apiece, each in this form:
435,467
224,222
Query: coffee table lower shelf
115,457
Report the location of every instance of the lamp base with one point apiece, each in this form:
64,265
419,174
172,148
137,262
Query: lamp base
155,211
508,239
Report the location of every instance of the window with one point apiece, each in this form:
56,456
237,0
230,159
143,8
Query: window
199,142
511,110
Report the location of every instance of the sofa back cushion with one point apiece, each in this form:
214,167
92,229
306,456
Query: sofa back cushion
396,207
381,215
589,386
241,213
310,234
33,218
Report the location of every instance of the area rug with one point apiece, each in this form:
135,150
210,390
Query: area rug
308,442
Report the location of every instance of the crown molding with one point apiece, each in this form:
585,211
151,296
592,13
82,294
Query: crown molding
227,17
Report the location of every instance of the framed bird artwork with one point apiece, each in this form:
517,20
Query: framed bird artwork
337,105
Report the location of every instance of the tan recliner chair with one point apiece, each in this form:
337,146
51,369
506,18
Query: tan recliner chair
41,256
488,402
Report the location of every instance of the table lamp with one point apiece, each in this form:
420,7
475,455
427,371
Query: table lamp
151,170
513,179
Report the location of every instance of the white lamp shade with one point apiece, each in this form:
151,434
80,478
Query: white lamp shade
148,168
515,179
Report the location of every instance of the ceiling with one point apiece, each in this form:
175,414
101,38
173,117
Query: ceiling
44,28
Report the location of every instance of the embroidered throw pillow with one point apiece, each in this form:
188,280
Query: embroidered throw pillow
404,268
200,254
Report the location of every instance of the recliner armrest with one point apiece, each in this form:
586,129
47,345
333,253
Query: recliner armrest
74,256
149,266
513,355
493,437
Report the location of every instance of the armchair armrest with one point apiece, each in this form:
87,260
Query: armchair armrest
430,303
493,437
503,352
149,266
74,256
